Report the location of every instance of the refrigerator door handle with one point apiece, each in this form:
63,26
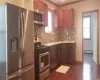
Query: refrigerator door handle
21,39
16,74
22,34
27,69
24,19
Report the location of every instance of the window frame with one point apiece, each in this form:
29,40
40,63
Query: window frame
51,21
89,28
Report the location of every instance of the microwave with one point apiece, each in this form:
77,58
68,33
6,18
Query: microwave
38,17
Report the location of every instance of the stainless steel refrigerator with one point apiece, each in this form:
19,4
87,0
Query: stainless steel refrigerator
16,43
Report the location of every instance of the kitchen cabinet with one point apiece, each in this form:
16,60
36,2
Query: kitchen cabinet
65,18
70,53
38,5
69,18
62,54
58,52
67,53
53,57
60,18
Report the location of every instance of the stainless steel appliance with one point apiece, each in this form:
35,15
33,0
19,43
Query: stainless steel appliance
38,17
42,62
16,42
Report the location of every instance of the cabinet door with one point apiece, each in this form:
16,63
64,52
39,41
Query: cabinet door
51,57
69,18
58,54
63,54
36,4
70,53
28,73
53,62
60,18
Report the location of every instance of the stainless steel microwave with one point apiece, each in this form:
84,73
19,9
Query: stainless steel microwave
38,17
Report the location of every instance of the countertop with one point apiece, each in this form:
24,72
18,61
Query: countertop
55,43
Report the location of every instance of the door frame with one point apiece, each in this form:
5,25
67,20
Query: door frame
97,11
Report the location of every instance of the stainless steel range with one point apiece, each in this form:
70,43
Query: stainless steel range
42,62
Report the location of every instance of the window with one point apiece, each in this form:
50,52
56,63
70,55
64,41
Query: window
86,27
48,29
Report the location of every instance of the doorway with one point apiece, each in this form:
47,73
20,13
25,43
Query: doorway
90,36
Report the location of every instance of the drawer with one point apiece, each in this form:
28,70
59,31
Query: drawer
45,74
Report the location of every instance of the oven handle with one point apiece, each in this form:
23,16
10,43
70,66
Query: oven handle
43,54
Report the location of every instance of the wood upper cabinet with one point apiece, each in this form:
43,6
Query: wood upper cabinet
60,18
69,18
36,4
65,18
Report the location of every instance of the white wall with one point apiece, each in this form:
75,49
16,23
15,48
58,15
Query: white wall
27,4
88,43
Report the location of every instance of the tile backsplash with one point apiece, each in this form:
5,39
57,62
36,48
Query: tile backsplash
58,34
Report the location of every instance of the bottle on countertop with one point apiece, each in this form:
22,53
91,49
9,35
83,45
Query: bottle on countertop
36,39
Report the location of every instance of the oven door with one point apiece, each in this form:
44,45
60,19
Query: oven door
44,61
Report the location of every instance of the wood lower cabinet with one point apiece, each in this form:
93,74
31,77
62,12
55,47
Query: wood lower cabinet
62,54
53,57
70,53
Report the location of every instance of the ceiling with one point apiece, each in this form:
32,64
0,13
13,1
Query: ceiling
62,2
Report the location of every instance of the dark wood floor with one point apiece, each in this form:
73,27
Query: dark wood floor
86,71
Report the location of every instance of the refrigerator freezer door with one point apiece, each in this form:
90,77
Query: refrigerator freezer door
27,44
13,76
28,73
13,56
